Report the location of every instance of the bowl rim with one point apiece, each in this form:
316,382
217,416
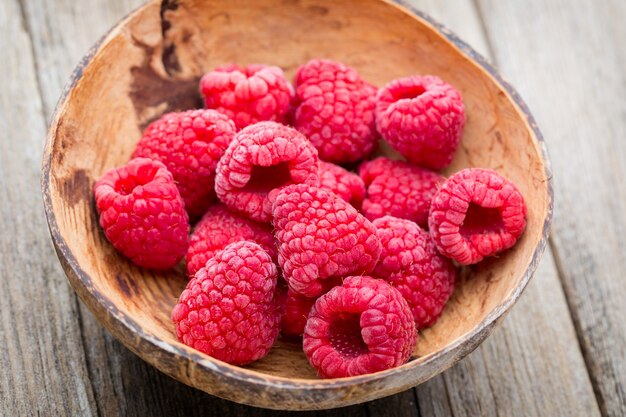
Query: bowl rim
134,337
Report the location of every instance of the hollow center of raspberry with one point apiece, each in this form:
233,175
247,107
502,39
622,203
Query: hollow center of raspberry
265,179
481,220
412,91
125,186
345,335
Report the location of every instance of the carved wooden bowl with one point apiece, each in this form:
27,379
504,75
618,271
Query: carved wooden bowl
150,63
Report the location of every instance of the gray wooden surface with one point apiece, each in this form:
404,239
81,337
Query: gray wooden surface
562,350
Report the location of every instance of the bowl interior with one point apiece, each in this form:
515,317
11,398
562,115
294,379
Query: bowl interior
151,64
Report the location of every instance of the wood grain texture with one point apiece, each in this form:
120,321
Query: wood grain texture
38,317
574,78
62,32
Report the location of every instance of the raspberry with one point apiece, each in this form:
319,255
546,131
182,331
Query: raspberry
248,95
228,309
321,237
296,311
398,189
360,327
476,213
260,161
143,214
219,228
422,118
297,307
336,110
345,184
411,263
189,144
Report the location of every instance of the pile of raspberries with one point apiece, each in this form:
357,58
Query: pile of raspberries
297,228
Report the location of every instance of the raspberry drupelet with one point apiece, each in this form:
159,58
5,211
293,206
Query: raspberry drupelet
335,109
411,263
220,227
362,326
476,213
260,161
345,184
398,189
248,94
229,308
142,213
422,117
189,144
321,237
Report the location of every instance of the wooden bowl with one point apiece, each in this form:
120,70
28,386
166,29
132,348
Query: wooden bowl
150,63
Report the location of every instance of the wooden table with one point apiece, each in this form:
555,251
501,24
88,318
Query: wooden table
561,352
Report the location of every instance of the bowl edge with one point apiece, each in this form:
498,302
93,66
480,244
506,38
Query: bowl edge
140,342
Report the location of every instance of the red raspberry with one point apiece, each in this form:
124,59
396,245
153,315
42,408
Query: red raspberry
217,229
320,237
143,214
189,144
345,184
260,161
248,95
476,213
228,309
297,307
398,189
296,311
359,327
422,118
411,262
336,110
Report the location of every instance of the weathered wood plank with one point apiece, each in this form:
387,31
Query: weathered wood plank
531,365
568,59
62,33
42,361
